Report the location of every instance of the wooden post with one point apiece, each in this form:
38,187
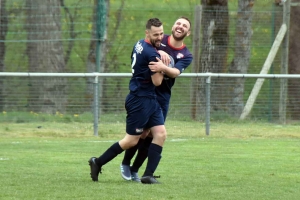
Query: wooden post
265,69
196,59
284,63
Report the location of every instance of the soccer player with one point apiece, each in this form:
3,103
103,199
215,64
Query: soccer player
141,105
174,46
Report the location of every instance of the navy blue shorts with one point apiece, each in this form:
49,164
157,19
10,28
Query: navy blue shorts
164,104
165,109
142,112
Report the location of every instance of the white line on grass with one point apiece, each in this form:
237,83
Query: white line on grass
178,140
106,141
172,140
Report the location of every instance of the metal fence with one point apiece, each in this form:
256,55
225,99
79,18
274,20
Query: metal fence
267,106
63,37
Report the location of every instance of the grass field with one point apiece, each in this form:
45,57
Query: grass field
237,161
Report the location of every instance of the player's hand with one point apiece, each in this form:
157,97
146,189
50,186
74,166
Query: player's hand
156,66
164,57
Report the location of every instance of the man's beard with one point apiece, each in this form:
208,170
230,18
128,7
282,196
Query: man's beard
178,38
153,42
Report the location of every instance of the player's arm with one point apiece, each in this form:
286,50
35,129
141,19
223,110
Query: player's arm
159,66
171,72
157,78
179,67
165,58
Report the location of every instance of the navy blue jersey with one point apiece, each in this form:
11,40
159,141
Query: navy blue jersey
141,83
182,58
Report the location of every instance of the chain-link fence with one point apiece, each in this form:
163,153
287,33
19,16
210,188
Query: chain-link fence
267,107
62,36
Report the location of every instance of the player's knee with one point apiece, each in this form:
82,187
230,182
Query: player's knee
128,141
161,135
164,135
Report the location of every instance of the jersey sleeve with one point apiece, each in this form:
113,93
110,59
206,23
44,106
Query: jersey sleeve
152,57
153,54
183,63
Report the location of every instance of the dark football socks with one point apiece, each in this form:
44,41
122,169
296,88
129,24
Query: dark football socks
154,155
141,155
129,153
109,154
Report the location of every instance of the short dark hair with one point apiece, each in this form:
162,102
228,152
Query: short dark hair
153,22
187,19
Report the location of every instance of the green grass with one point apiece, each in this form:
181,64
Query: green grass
237,161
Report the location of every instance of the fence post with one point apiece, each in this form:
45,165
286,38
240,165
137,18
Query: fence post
207,115
96,106
284,63
101,25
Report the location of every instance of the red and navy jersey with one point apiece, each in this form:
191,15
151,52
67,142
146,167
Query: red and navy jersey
182,58
141,83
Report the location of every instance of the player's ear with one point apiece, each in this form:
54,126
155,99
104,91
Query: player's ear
147,33
188,33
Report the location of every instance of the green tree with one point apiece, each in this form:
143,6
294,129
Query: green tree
45,54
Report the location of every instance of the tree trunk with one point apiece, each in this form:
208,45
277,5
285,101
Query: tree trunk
213,57
3,31
73,34
45,54
294,67
240,62
196,60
